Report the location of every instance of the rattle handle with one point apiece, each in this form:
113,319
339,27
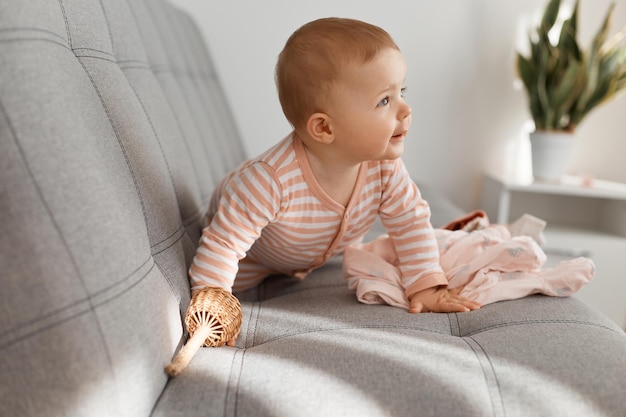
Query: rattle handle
185,355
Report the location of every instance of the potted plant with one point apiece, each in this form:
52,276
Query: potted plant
564,83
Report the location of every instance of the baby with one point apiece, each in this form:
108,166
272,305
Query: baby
320,189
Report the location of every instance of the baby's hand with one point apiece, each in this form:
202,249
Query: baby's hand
233,341
215,308
441,300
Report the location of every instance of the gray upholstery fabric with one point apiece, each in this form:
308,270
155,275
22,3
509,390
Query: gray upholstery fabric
113,133
309,348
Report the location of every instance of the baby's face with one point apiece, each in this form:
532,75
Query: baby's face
369,115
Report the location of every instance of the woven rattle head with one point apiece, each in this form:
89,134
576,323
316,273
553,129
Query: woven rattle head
218,309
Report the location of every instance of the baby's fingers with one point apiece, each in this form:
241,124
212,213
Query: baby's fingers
452,306
417,307
233,340
470,304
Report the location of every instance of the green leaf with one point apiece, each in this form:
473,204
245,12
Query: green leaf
567,39
549,16
601,35
526,71
567,92
595,88
612,62
563,82
570,84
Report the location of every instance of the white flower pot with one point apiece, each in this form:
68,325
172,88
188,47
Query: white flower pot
550,152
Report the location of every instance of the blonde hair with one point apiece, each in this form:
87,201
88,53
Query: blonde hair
314,57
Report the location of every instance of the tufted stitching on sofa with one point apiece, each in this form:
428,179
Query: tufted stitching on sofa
178,233
53,220
455,327
235,382
37,34
491,378
139,64
169,69
82,306
155,69
67,26
89,300
531,322
117,136
195,124
106,19
345,327
131,169
97,54
216,125
93,53
257,309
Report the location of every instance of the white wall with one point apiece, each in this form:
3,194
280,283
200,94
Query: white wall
467,116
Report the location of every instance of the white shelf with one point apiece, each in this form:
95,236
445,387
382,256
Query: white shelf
568,185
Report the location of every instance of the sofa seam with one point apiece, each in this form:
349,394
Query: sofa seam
119,141
233,383
58,39
56,226
148,118
216,176
158,140
130,166
202,82
529,322
357,327
250,317
179,230
155,70
455,327
106,19
493,373
67,26
256,322
90,307
33,29
300,290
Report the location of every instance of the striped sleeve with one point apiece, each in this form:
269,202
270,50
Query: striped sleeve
406,216
249,201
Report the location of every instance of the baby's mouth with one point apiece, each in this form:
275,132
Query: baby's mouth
400,135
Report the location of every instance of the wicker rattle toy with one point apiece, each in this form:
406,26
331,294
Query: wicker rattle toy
212,319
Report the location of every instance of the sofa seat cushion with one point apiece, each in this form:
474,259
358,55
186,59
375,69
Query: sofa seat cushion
310,348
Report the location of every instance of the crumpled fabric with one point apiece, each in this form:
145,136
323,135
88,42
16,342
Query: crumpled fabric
488,263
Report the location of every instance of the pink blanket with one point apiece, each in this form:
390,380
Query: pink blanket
488,263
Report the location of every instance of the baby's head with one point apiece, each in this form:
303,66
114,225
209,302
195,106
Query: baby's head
316,55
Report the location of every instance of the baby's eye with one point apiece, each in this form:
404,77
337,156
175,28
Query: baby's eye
402,91
383,102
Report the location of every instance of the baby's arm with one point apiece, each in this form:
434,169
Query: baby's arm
242,206
239,212
407,219
440,299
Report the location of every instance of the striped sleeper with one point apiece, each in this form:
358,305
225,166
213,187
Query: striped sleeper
270,216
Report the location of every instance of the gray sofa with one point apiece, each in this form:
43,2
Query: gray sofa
113,133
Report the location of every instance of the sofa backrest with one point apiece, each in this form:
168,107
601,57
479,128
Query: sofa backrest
113,133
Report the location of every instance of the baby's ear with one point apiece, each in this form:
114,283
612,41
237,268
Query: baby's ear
319,128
